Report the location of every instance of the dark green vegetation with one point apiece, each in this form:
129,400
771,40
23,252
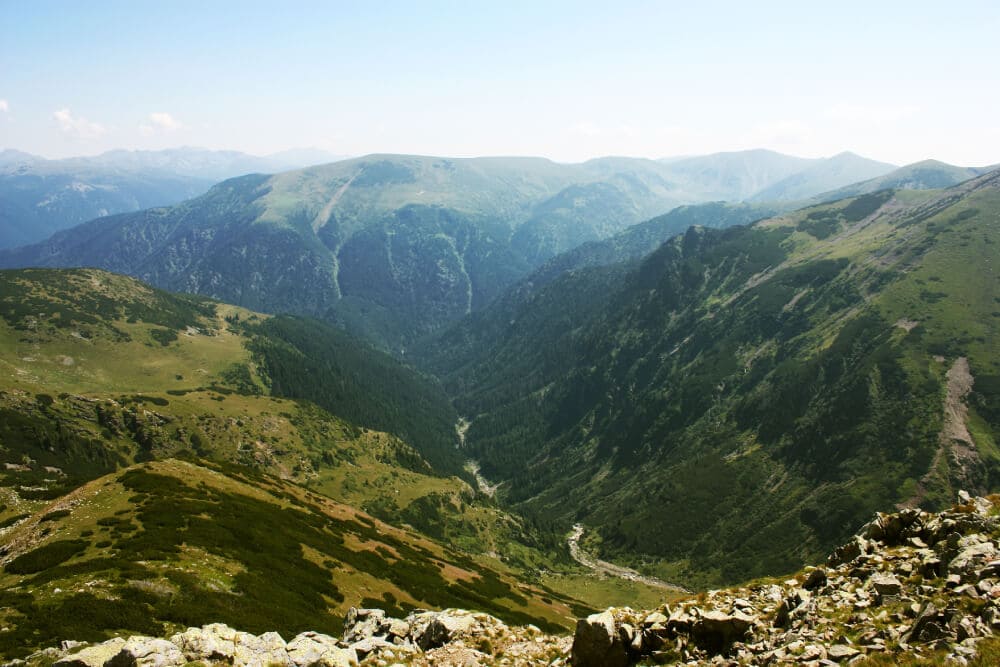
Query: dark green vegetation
106,373
84,312
393,248
197,545
307,359
741,400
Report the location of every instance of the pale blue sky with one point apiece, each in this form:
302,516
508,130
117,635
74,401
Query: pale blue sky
898,81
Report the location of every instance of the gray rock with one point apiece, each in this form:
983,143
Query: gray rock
147,652
840,652
715,631
93,656
312,648
212,642
886,585
596,643
364,623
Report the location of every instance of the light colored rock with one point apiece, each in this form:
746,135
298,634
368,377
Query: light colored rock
364,623
147,652
309,648
211,642
93,656
840,652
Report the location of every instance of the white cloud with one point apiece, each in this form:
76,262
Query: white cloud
4,106
77,125
160,121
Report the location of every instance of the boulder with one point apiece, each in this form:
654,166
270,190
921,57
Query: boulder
310,649
848,552
715,631
840,652
209,643
364,623
93,656
886,585
596,643
815,579
264,651
147,652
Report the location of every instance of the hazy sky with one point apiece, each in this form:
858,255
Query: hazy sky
898,81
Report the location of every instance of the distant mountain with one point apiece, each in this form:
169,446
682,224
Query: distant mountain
762,175
741,399
823,175
39,197
733,176
925,175
391,246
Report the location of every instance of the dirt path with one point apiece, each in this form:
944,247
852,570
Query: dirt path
602,567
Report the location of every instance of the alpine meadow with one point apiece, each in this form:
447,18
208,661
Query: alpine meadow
562,334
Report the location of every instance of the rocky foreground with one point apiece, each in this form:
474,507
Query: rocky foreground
909,586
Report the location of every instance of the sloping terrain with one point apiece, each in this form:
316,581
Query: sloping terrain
911,589
164,545
390,247
39,197
924,175
741,399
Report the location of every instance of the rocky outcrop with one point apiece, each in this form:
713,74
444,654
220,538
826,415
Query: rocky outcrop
452,636
910,583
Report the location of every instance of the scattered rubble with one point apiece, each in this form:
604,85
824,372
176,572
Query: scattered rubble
911,583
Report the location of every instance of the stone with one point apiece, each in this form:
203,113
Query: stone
849,552
209,643
364,623
886,585
93,656
147,652
840,652
815,579
596,643
312,648
443,628
371,645
971,555
715,631
251,651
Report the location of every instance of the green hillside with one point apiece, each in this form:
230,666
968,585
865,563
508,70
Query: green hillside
742,399
162,546
167,458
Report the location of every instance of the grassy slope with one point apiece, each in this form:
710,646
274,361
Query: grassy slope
170,544
101,372
746,398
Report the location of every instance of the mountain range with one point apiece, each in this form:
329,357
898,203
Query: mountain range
542,368
39,197
394,247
